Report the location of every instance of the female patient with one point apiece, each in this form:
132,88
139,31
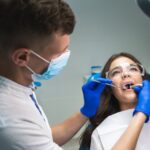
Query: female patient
122,111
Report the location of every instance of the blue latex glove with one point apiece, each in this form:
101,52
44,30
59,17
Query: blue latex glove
94,77
137,89
91,92
143,104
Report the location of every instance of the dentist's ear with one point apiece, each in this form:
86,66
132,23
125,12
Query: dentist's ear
144,6
20,56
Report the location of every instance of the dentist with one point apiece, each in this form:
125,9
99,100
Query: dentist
34,40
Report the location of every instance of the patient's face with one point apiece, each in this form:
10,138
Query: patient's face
124,72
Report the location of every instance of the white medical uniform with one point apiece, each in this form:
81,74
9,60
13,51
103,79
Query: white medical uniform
22,126
110,130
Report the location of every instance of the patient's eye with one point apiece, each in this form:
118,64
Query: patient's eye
134,69
115,72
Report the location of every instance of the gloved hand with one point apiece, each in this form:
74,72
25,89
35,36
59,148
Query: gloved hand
143,104
91,92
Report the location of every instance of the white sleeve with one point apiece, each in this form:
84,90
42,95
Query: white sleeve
96,141
22,137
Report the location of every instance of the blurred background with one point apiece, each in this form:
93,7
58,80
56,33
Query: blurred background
104,27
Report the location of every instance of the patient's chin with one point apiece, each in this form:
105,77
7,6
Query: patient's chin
131,97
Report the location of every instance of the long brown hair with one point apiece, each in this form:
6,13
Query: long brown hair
108,104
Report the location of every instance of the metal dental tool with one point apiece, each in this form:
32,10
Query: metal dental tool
112,85
105,83
132,86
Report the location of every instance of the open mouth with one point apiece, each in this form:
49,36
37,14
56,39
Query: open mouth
127,86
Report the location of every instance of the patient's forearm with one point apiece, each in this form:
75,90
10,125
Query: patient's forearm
129,138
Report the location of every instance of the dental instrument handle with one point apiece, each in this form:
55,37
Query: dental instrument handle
136,85
104,83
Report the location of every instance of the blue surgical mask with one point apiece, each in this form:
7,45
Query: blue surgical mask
54,67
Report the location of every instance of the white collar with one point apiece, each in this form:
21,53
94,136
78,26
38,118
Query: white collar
14,87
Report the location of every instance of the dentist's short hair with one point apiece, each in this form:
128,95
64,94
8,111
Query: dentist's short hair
26,23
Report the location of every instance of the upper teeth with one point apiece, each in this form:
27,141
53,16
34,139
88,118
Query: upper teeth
126,86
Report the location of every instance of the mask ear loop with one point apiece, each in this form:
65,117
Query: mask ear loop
29,69
39,56
35,84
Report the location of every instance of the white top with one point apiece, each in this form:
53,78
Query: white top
110,130
22,127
